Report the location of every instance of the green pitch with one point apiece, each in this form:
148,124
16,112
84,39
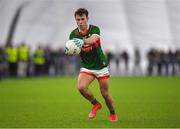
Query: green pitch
55,102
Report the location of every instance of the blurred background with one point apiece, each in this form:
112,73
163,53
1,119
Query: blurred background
139,37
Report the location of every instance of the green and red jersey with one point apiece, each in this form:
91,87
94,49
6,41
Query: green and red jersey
92,56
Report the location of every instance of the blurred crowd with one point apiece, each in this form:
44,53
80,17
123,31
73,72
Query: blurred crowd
20,62
157,63
161,63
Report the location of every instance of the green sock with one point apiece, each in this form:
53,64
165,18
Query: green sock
94,101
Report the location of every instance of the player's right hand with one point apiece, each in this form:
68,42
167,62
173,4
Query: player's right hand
78,42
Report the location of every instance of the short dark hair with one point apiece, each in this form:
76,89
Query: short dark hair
80,12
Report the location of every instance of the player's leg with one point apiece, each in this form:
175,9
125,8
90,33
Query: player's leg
105,93
108,98
84,81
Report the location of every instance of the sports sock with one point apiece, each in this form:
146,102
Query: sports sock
94,101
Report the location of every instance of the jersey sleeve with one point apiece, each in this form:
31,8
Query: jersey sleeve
96,30
71,36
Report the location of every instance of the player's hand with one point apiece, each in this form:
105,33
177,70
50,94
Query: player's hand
84,39
78,42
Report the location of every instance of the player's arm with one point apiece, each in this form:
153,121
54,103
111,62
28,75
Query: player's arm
71,36
92,39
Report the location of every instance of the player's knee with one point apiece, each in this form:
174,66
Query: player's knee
81,88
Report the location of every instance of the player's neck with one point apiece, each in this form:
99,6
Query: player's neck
84,30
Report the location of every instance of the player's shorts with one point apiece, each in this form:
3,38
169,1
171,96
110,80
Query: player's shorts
99,74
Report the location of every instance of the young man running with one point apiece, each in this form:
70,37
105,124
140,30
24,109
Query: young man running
94,64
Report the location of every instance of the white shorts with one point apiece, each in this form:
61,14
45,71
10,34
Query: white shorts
99,74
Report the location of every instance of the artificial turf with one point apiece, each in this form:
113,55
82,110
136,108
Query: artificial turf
54,102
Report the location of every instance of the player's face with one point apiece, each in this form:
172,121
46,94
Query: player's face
82,21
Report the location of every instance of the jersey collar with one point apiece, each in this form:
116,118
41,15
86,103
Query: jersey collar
81,32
